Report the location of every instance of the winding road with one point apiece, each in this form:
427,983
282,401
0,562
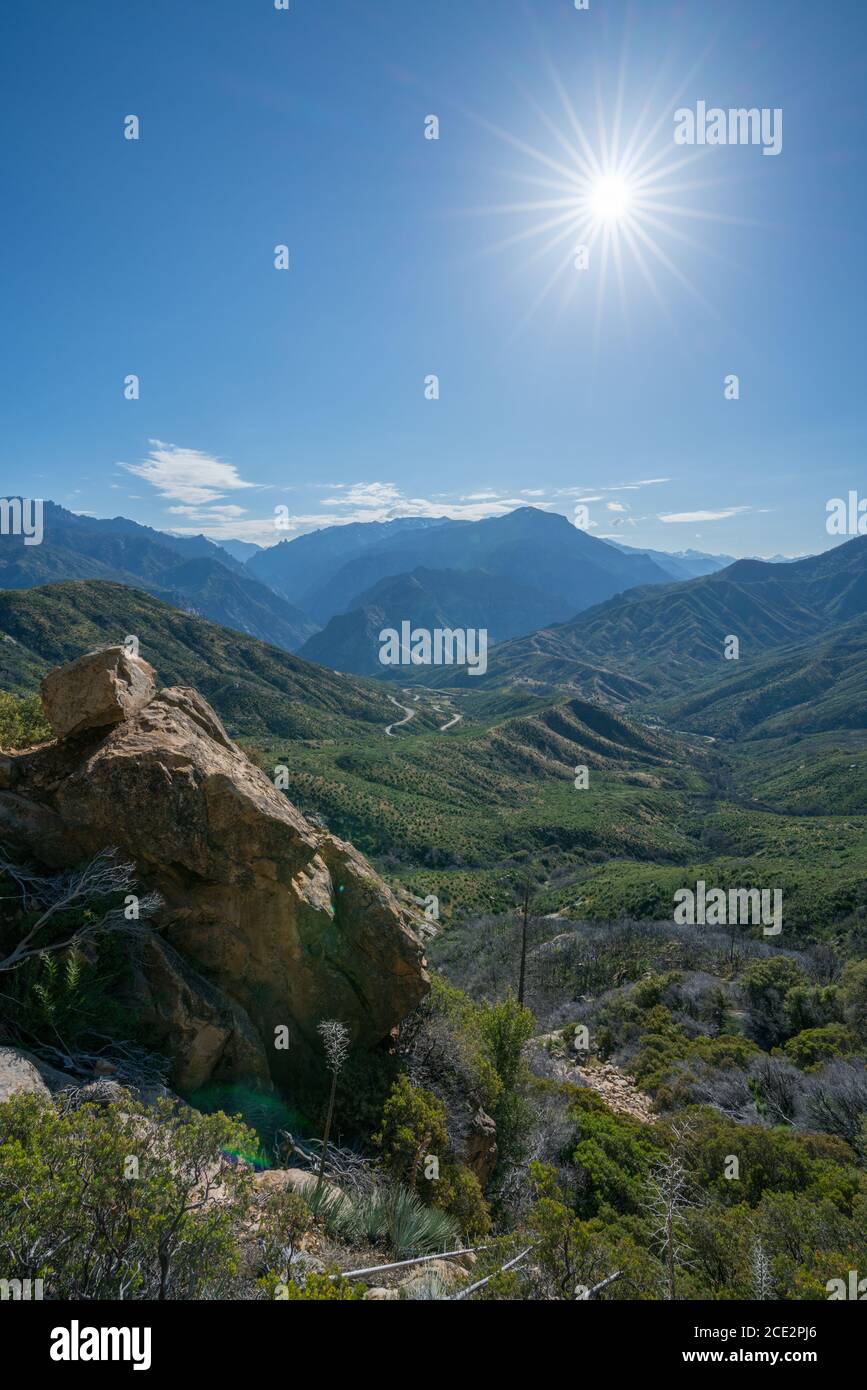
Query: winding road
409,713
452,721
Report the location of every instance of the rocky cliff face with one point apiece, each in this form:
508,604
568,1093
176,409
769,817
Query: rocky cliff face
269,924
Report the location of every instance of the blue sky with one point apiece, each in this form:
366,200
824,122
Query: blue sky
410,257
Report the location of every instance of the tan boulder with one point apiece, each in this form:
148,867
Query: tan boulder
300,1180
286,923
101,688
18,1074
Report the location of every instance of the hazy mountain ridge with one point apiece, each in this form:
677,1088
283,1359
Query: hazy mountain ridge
330,570
679,564
190,572
429,599
669,637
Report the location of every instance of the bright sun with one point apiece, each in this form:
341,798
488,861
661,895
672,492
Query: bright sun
606,206
609,198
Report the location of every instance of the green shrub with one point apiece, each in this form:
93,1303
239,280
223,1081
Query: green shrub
22,722
505,1028
413,1130
767,984
106,1202
853,998
812,1006
322,1288
817,1045
613,1154
649,991
62,997
459,1193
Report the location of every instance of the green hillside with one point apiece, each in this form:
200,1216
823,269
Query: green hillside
804,687
669,637
257,689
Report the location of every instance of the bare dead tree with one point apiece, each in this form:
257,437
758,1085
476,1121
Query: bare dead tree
760,1265
670,1196
335,1040
54,896
350,1170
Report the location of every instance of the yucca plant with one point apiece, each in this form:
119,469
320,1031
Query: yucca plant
412,1228
427,1287
371,1215
334,1209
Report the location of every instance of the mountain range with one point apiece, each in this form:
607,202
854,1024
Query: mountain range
434,599
563,610
192,573
326,572
330,592
666,638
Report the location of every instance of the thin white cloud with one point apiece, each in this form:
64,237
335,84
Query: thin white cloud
722,515
607,491
186,475
226,511
378,501
644,482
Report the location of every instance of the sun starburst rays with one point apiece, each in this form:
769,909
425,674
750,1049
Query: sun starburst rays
607,204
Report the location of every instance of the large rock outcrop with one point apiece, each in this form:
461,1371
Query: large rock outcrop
101,688
269,924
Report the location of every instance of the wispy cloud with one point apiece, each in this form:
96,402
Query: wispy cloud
186,475
721,515
378,501
199,487
224,512
608,489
